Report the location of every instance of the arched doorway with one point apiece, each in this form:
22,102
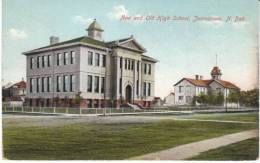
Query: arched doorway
128,93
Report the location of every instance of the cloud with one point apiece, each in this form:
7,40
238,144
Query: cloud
117,12
17,34
82,20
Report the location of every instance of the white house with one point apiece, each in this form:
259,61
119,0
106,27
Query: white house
187,88
99,71
169,99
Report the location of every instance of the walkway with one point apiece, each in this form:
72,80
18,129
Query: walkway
190,150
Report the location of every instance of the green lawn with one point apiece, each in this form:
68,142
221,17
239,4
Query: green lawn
244,150
247,117
85,141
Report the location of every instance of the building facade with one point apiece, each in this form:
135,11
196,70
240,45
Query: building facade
98,73
187,88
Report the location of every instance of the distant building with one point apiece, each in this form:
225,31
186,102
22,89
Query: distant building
102,73
169,99
14,94
187,88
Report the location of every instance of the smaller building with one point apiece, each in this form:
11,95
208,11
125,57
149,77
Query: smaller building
169,100
187,88
15,94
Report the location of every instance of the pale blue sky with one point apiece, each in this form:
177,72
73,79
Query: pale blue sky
182,48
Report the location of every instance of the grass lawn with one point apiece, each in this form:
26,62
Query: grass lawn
247,117
244,150
83,141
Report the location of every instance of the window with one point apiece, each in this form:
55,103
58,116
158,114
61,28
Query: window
188,99
59,83
125,63
31,85
97,56
42,84
145,68
133,63
72,57
218,90
96,84
66,58
137,87
149,69
58,59
121,62
32,63
48,84
38,61
149,89
180,98
102,84
72,83
180,89
144,89
129,62
65,83
38,85
104,60
49,60
89,83
90,58
120,85
45,62
137,67
188,88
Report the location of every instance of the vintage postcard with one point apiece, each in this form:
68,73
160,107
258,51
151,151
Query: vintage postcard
130,80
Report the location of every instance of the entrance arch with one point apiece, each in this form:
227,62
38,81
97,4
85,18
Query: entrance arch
128,93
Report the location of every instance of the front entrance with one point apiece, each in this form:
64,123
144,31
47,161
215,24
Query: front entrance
128,93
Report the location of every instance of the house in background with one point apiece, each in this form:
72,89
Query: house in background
187,88
14,95
102,73
169,100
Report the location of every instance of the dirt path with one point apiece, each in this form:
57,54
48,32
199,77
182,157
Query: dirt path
190,150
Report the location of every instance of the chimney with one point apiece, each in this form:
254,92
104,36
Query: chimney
54,40
197,77
201,77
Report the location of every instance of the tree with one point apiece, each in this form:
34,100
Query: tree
219,99
78,98
201,98
233,97
249,98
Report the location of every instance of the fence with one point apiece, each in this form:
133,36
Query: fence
67,110
122,110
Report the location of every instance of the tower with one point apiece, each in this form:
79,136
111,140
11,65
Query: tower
216,72
95,31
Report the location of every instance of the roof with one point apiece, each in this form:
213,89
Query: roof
227,84
95,26
206,83
147,58
216,71
83,39
21,84
118,41
201,83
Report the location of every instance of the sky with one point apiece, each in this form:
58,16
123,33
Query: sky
183,48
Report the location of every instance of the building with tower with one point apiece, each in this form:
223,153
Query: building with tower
102,73
187,88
